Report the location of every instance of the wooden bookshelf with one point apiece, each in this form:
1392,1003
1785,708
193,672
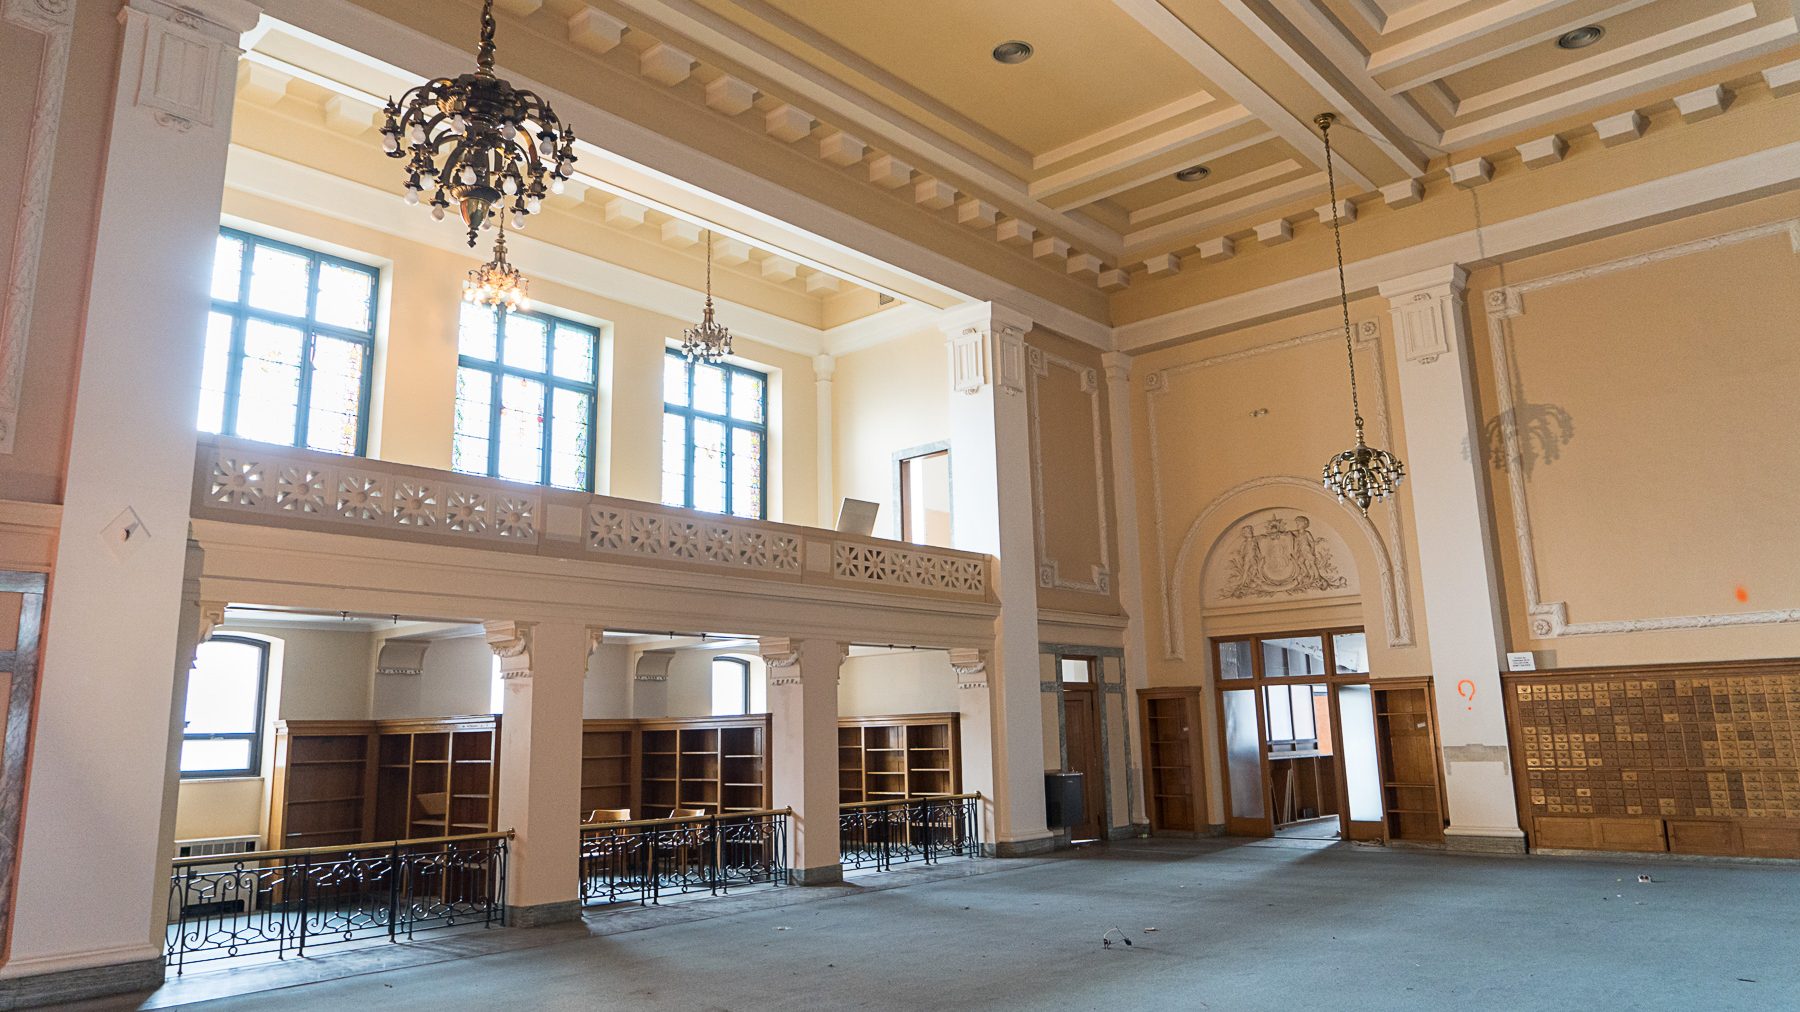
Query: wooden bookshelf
654,766
888,758
323,784
341,782
1406,740
1173,769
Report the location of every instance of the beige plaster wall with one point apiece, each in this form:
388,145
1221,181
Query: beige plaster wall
415,373
33,472
1652,378
1071,438
458,680
877,682
892,397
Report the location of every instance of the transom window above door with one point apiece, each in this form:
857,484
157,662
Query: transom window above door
289,344
527,389
715,438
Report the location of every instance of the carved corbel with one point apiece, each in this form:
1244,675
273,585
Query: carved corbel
212,615
511,642
782,655
970,667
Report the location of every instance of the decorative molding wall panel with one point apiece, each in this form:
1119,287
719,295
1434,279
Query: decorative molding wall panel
1550,619
1050,576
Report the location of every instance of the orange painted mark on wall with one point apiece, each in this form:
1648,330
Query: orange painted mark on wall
1467,693
1743,594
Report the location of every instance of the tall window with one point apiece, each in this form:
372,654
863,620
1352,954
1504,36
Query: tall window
715,438
223,733
730,686
288,345
526,391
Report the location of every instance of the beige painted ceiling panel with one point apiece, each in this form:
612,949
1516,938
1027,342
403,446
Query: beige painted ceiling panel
1126,179
1093,68
1231,175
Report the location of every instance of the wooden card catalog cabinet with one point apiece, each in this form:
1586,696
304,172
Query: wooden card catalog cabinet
1688,758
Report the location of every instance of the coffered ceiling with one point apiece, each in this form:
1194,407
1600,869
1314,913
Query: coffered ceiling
1069,158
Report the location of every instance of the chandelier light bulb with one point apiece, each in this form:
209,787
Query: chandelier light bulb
490,137
412,195
556,185
437,212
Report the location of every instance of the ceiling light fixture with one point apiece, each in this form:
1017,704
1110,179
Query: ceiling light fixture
1193,173
709,340
1580,38
498,283
1013,51
1361,474
502,141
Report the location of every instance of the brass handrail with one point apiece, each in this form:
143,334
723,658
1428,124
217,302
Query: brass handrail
689,819
348,848
976,796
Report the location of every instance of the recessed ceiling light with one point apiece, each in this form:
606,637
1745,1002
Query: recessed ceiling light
1013,51
1193,173
1581,38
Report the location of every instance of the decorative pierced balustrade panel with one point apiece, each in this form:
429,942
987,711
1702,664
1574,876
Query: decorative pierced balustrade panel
618,530
914,568
265,480
1670,746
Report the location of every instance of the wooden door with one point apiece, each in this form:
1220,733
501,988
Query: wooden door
1081,735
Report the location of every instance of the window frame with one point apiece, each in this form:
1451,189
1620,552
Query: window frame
255,737
688,413
498,370
743,667
241,312
904,462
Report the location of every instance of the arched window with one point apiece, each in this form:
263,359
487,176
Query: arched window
222,736
730,686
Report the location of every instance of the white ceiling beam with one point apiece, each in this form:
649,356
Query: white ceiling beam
1213,65
1480,50
1356,108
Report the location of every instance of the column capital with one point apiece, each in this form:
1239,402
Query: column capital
783,655
212,615
511,642
596,636
987,347
824,367
1441,281
984,316
971,667
222,18
1117,365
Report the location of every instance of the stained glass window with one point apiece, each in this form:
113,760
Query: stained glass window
288,345
715,438
526,393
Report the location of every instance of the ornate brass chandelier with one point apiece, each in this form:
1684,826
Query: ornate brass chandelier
709,340
497,283
502,143
1361,474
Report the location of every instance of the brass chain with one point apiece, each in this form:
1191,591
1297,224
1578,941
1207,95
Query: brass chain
484,59
1337,236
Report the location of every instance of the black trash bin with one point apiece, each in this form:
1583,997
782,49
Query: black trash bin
1063,803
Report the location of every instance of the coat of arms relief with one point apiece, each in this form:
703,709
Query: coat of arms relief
1280,556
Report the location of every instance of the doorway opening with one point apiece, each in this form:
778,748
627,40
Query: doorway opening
1078,679
1299,744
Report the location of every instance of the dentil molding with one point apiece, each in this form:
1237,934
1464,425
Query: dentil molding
1550,619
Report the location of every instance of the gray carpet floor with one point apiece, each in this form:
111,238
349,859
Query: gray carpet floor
1220,925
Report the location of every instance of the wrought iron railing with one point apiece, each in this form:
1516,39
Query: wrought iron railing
284,902
881,834
642,859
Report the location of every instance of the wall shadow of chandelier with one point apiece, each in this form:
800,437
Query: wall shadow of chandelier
1539,431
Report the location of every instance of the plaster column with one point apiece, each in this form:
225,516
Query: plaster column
92,883
542,665
990,469
1129,570
1457,571
824,367
803,708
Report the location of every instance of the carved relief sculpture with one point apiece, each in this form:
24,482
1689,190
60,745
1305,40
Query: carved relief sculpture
1284,556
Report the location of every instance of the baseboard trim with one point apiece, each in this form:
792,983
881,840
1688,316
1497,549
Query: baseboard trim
1484,843
825,874
541,914
40,989
1034,847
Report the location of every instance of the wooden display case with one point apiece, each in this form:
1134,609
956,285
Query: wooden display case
323,786
654,766
889,758
1174,771
609,764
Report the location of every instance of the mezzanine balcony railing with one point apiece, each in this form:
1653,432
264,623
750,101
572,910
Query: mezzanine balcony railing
241,481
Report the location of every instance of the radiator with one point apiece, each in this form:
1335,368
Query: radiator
234,901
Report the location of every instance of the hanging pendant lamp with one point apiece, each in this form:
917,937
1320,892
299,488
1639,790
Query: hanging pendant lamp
1361,474
709,340
497,282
